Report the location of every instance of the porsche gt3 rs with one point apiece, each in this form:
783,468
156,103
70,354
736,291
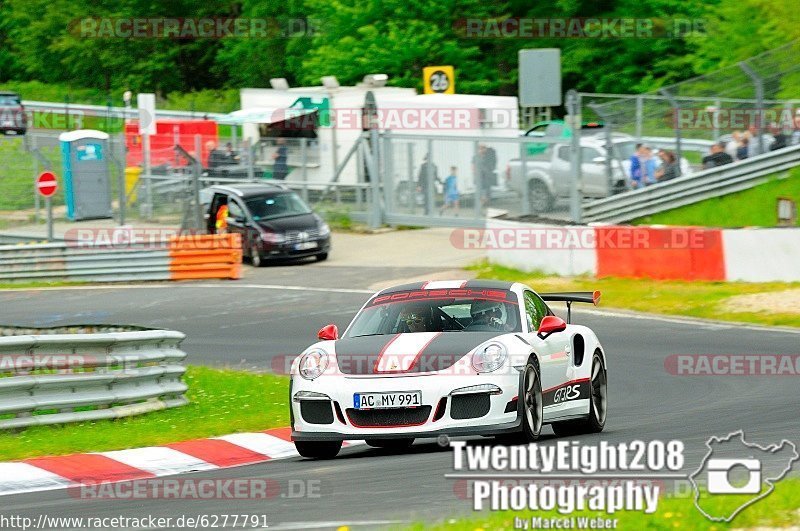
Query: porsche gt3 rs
454,358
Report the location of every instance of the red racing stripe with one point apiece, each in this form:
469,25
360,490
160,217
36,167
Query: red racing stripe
89,468
218,452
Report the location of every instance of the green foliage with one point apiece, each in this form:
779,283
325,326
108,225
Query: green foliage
50,41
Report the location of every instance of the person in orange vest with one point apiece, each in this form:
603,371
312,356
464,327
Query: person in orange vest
222,219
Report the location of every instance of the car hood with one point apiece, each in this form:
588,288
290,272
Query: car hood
290,223
406,353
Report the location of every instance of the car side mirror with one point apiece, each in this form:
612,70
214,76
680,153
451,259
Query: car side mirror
550,325
328,333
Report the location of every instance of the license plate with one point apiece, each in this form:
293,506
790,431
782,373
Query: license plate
387,400
305,245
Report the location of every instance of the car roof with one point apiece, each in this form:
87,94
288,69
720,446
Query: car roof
449,284
249,189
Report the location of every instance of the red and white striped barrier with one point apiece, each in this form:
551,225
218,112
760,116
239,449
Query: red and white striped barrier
61,472
657,252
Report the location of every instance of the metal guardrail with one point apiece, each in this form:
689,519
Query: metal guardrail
693,188
189,257
60,378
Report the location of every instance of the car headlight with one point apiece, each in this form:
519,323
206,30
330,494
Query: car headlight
324,229
313,363
489,357
273,237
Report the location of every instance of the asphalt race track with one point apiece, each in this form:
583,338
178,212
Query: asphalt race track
228,324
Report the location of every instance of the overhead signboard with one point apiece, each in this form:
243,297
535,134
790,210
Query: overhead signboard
540,77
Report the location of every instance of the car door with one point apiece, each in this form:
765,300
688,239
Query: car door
593,170
238,220
561,170
554,358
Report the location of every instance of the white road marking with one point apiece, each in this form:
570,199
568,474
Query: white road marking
159,460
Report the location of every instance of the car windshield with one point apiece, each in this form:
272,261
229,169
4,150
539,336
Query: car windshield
446,310
625,150
276,206
9,101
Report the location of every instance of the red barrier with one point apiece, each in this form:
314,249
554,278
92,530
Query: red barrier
660,253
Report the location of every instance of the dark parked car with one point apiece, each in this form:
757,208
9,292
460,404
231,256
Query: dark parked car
12,114
275,223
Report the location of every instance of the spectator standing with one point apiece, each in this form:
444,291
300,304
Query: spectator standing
669,167
779,140
484,164
717,157
753,147
735,143
636,166
741,152
648,166
423,181
451,195
279,167
795,137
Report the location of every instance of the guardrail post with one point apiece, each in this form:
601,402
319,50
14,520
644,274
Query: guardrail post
198,168
526,191
251,174
476,172
388,173
36,204
573,109
676,109
430,181
758,84
639,118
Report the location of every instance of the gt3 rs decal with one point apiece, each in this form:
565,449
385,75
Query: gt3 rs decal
574,390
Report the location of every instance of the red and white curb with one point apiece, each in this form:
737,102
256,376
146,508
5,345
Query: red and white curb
61,472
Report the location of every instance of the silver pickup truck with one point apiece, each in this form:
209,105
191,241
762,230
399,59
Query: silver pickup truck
548,173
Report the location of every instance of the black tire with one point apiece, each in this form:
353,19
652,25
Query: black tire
255,257
391,444
532,408
539,197
321,257
598,404
318,449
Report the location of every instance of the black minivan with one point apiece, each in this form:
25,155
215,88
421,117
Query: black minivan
275,222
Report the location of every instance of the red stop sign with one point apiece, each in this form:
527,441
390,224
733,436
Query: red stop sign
46,184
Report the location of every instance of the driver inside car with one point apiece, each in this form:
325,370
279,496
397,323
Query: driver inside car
486,316
415,318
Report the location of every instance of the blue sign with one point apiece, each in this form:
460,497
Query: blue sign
89,152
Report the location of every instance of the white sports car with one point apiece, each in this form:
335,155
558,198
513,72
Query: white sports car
455,358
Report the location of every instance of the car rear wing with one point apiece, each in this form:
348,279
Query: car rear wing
590,297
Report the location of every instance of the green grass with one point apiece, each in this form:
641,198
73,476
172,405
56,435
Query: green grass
756,207
222,401
690,299
17,174
778,510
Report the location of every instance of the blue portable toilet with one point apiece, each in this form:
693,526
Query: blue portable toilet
87,182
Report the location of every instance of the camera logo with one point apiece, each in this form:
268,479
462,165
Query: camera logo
735,474
721,482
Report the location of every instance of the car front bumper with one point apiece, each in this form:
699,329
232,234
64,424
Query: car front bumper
437,415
